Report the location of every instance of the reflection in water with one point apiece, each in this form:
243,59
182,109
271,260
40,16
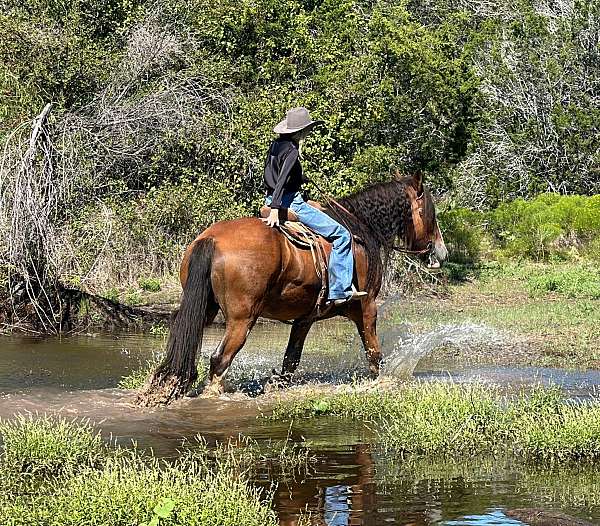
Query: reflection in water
337,506
493,517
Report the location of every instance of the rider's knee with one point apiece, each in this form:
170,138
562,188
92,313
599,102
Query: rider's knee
344,236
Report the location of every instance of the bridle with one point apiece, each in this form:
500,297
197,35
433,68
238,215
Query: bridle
429,250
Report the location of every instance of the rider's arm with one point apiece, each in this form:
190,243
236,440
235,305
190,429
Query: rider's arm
284,174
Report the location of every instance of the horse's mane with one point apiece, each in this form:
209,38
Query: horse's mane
377,215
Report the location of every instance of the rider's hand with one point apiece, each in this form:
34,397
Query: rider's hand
273,219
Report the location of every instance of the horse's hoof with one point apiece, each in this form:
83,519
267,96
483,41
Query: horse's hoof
213,390
278,381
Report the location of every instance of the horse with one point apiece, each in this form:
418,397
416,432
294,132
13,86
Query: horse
249,270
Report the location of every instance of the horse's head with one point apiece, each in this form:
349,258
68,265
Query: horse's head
424,238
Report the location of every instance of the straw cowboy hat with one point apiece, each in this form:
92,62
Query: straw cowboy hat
295,120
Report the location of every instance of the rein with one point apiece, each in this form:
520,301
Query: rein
396,248
330,199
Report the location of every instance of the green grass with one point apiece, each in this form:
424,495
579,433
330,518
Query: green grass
49,445
570,282
465,420
149,284
126,490
79,480
137,378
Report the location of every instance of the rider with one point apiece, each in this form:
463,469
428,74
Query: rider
283,179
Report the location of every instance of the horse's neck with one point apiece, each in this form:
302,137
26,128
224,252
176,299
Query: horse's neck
390,220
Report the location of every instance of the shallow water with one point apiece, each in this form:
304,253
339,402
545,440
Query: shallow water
352,481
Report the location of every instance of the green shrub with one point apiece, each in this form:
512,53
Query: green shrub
148,234
573,283
132,297
149,284
464,233
44,445
548,225
111,294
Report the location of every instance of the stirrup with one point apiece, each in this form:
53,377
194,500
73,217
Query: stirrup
354,295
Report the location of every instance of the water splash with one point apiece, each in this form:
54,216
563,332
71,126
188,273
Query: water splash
402,349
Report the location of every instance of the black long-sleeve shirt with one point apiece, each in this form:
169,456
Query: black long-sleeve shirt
283,172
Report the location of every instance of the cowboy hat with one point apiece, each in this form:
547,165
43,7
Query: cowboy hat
295,120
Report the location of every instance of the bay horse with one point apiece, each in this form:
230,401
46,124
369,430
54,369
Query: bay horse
250,270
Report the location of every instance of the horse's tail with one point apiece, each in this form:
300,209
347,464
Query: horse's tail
177,372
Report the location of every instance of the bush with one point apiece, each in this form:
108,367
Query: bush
546,226
464,234
573,283
146,235
149,284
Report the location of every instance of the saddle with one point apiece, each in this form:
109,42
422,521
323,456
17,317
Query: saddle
301,236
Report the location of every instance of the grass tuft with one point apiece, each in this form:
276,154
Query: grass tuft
571,282
127,490
137,378
445,418
72,487
49,445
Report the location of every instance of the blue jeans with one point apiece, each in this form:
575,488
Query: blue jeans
341,260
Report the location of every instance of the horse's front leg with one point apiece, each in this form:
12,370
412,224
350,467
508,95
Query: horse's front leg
364,315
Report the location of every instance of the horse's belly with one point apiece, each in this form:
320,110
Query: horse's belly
292,302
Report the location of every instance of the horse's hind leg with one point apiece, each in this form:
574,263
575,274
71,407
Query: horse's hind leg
364,315
295,345
236,332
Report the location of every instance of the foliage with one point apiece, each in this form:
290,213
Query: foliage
464,233
538,102
161,511
149,284
547,227
56,51
164,110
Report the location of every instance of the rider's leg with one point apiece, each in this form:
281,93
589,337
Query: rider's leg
341,261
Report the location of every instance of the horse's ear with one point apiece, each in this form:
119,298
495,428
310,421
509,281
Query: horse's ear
418,179
397,175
